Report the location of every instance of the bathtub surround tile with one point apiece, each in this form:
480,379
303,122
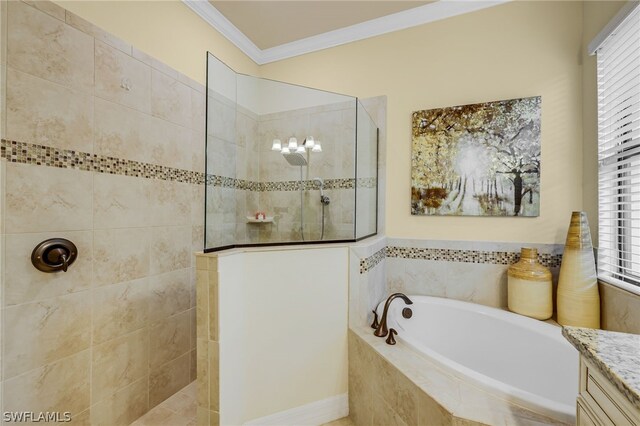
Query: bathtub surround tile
45,47
118,363
48,330
121,78
59,386
620,309
47,113
23,283
121,255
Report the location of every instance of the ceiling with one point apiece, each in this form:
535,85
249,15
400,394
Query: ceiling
273,30
273,23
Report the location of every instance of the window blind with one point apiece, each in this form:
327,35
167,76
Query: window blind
618,58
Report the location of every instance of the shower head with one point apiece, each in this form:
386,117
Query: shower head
295,159
320,183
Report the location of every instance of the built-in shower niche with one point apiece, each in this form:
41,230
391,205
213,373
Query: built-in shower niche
286,163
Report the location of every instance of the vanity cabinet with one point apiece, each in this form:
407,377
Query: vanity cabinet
600,403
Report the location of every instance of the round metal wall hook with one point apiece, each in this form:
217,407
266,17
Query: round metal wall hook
54,254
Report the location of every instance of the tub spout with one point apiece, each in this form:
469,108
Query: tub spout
382,331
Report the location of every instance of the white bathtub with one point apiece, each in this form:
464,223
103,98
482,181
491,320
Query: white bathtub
519,359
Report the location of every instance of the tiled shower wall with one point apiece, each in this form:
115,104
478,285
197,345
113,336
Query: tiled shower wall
240,149
102,146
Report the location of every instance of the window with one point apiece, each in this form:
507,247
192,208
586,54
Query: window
618,56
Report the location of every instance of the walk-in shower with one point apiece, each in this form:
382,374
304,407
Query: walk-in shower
286,163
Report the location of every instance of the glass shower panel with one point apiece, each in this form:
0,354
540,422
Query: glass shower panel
367,175
281,162
222,155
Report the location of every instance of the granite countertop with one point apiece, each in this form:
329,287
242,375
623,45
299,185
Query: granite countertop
617,356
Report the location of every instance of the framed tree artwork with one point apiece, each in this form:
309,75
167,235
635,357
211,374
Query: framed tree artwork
477,160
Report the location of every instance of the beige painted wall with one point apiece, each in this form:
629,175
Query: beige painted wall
167,30
514,50
596,15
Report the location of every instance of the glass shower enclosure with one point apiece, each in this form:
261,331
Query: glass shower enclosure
286,164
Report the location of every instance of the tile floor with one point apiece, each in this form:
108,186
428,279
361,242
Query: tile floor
178,410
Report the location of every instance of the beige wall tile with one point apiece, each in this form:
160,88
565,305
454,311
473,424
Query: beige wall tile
620,309
115,69
81,419
202,379
42,332
383,415
430,412
48,7
123,407
193,366
120,201
169,202
198,111
214,376
98,33
169,294
170,99
170,249
121,132
198,159
120,255
167,379
169,339
118,363
46,47
154,63
60,386
214,418
213,305
119,309
192,328
170,145
202,304
192,287
46,113
202,417
24,283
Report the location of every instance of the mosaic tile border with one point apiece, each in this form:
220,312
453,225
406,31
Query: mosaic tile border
42,155
368,263
453,255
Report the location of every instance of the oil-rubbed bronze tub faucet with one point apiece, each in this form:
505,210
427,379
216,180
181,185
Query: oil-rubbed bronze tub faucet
382,331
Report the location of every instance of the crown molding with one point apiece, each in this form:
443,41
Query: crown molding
395,22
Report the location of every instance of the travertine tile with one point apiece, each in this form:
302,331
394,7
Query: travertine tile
42,332
202,304
170,144
192,328
193,366
123,407
170,249
46,47
213,305
430,412
121,78
181,404
203,416
169,202
119,309
48,7
60,386
121,132
383,415
120,255
620,309
169,339
96,32
120,201
154,63
167,379
170,99
202,380
24,283
168,294
214,376
46,113
118,363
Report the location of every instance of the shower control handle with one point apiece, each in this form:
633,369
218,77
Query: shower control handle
54,254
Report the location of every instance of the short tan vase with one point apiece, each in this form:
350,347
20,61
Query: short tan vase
578,297
529,288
